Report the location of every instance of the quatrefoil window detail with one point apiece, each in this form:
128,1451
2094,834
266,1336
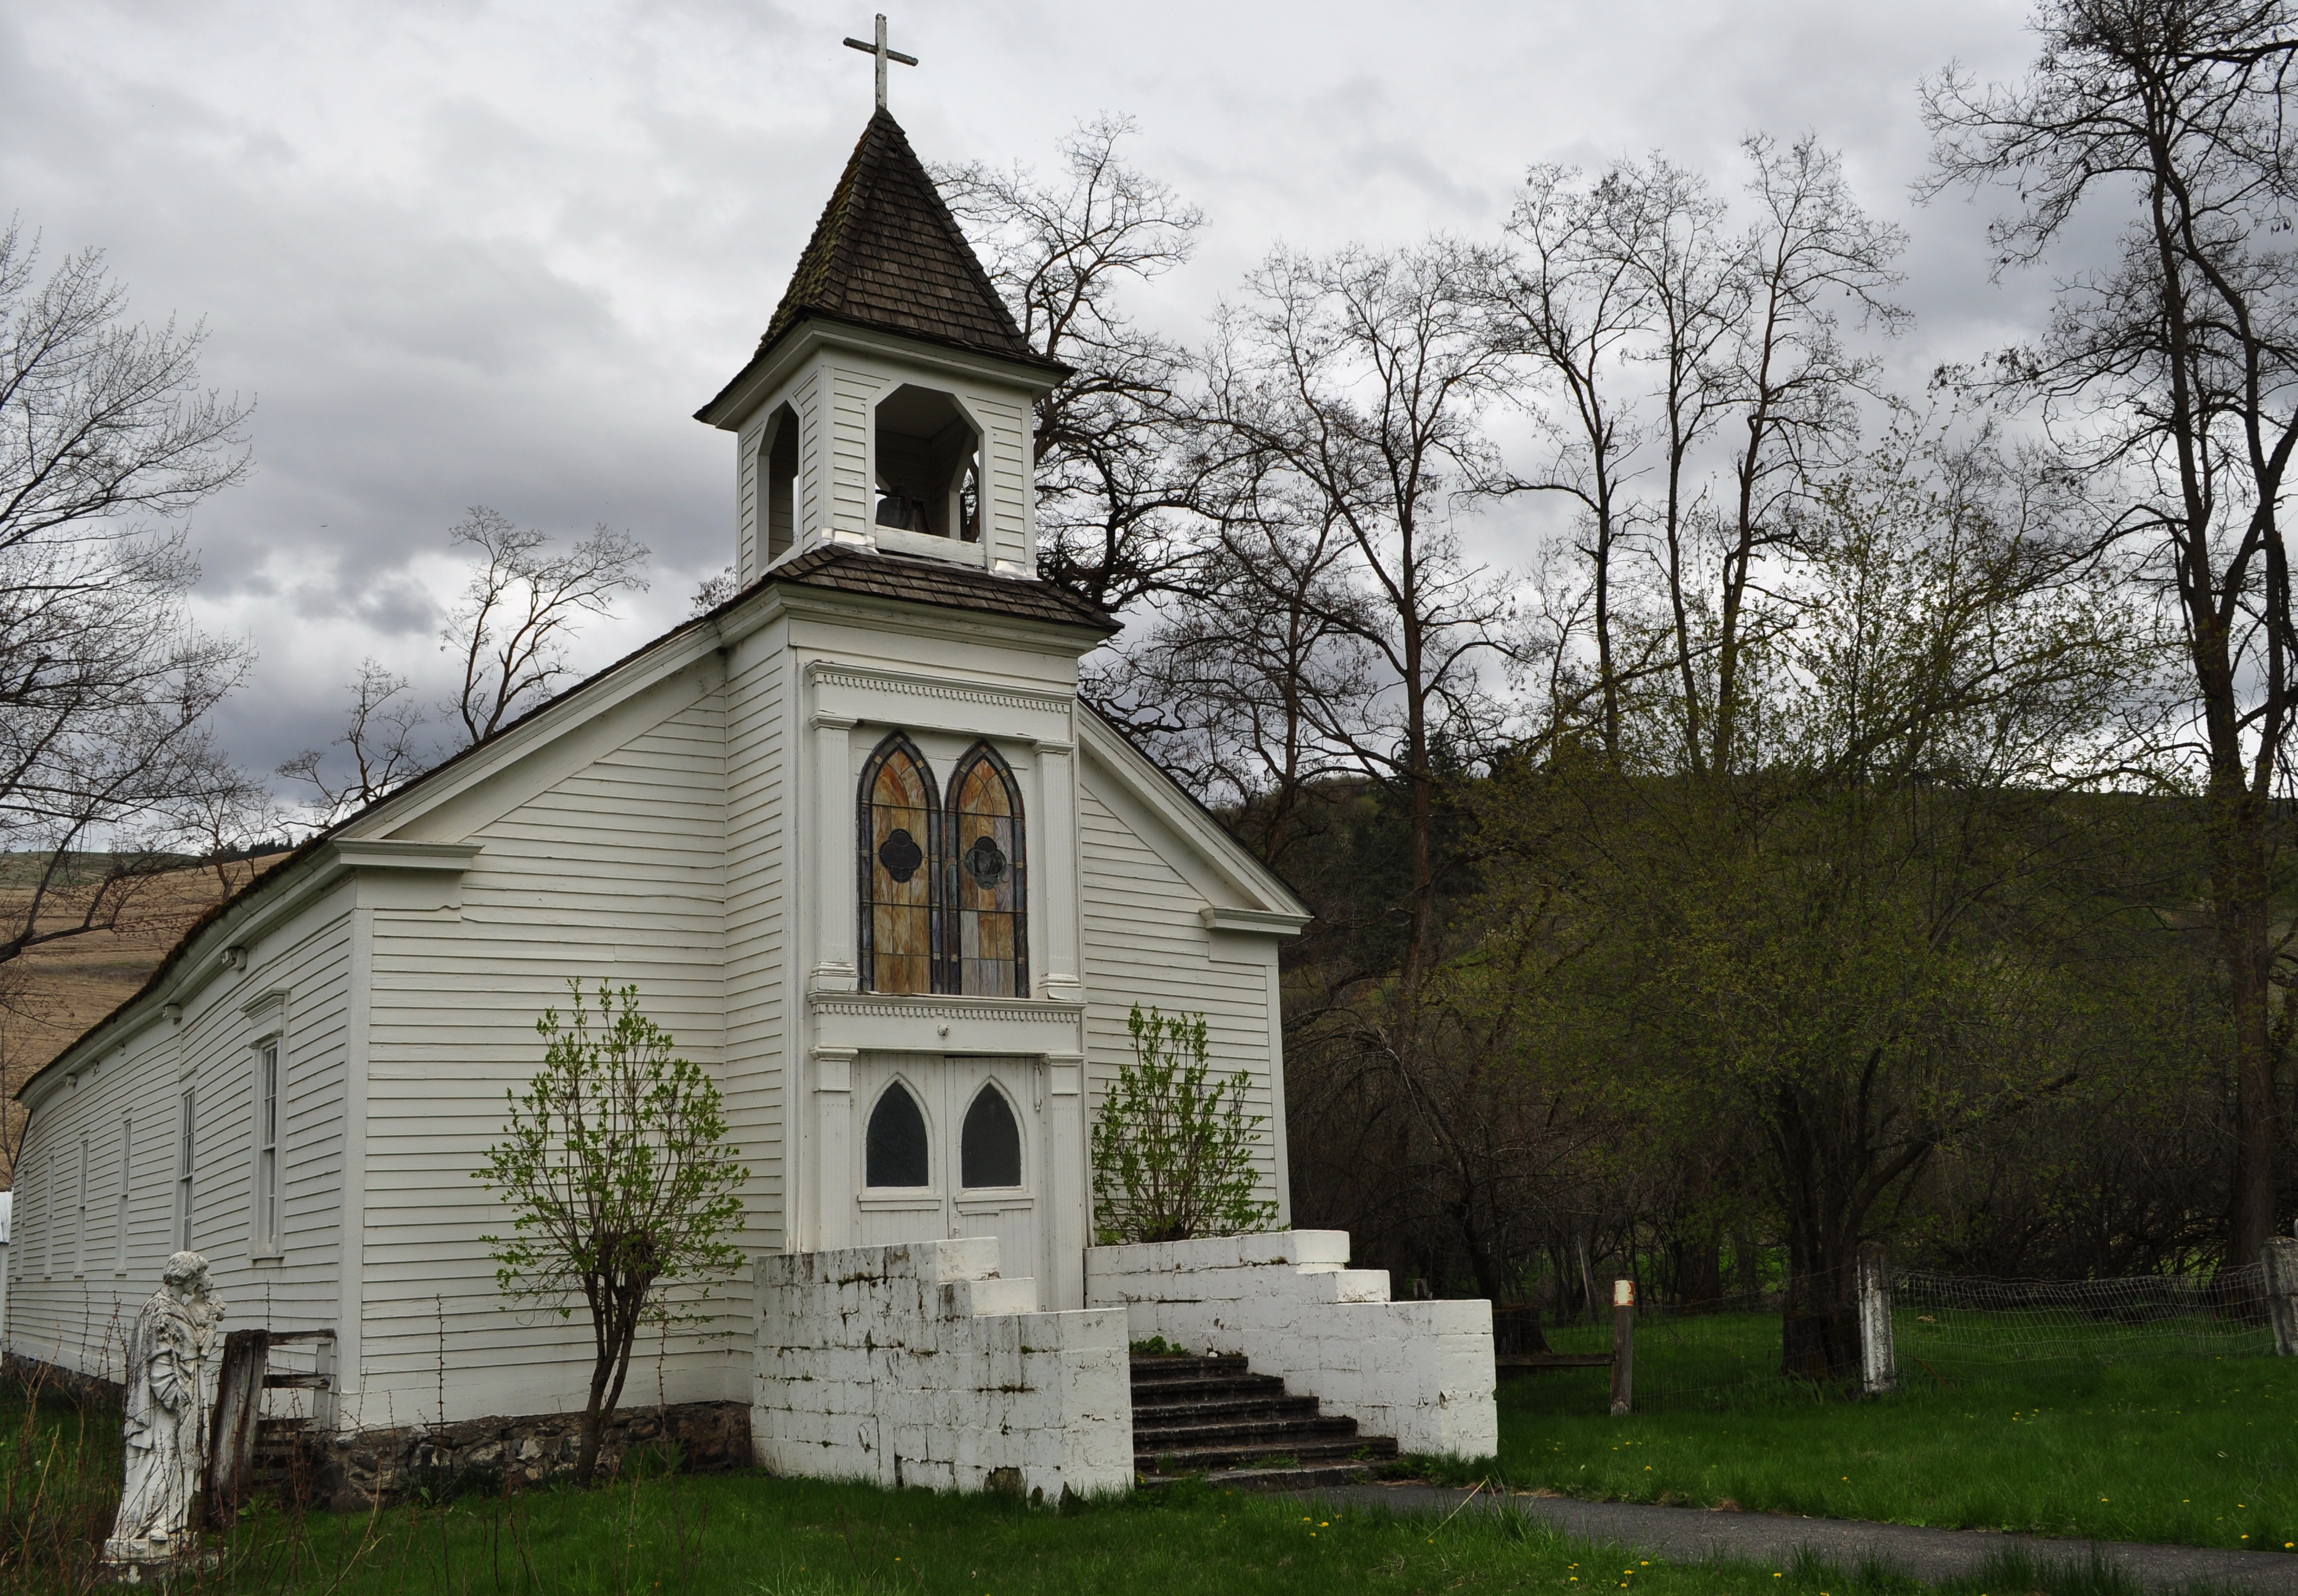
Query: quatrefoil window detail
901,854
984,862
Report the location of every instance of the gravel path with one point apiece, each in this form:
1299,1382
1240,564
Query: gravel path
1687,1534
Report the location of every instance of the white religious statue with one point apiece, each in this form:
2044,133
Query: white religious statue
168,1361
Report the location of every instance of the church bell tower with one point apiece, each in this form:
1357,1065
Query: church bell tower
888,405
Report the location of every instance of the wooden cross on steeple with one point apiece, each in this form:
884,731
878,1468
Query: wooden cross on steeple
883,55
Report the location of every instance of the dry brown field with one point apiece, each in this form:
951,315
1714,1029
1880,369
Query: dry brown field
52,994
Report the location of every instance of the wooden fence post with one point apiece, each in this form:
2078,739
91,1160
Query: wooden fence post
2281,1292
1624,1347
232,1426
1879,1365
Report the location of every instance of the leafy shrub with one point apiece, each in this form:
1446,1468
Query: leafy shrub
1172,1148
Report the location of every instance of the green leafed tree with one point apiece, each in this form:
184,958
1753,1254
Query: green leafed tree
620,1185
1172,1147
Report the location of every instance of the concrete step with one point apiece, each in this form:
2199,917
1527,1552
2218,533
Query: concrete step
1315,1431
1241,1409
1147,1370
1207,1388
1215,1417
1363,1451
1308,1476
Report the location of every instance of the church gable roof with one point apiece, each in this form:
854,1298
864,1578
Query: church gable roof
887,254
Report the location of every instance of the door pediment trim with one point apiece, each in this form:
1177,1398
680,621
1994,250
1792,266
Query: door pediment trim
895,1022
876,695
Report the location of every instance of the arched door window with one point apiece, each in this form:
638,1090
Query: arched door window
894,1149
900,833
990,1147
987,937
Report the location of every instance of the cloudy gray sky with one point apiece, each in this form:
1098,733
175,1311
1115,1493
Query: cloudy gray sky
471,252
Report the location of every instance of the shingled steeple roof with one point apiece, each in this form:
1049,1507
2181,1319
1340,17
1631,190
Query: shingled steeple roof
886,254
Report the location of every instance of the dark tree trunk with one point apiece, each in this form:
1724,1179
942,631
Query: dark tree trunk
1831,1178
2243,894
614,1338
1819,1325
1515,1325
1700,1271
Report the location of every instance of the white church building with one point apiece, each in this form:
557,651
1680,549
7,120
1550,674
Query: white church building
854,837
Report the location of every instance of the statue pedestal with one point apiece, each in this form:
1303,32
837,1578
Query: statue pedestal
152,1562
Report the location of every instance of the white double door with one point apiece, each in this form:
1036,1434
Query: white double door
947,1145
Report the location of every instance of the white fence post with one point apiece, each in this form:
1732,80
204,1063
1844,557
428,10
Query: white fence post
1879,1367
2281,1292
1624,1347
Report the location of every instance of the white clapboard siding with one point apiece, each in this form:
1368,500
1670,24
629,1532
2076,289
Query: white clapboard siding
750,488
1145,943
811,505
1005,469
853,395
78,1317
617,874
757,934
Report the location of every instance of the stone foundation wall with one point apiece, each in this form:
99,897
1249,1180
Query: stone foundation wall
1287,1301
918,1365
55,1376
349,1472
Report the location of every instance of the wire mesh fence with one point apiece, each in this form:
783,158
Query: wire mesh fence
1960,1330
1950,1333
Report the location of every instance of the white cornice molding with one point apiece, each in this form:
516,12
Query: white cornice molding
831,673
1267,922
392,853
277,997
898,1006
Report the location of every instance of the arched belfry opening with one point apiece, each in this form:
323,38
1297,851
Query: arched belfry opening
928,466
777,481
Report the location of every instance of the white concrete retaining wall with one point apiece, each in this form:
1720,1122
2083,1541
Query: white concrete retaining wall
917,1364
1287,1300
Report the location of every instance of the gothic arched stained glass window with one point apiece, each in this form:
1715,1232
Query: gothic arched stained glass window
987,939
989,1148
894,1148
900,834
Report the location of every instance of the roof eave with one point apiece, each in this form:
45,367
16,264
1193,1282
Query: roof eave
734,402
802,598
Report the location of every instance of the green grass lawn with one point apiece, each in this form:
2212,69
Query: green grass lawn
2198,1451
718,1536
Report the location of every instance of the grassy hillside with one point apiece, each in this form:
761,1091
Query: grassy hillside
51,995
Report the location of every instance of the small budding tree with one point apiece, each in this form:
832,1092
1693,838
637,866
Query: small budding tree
620,1184
1172,1148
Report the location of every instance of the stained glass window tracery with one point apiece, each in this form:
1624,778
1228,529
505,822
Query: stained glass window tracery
900,832
988,935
